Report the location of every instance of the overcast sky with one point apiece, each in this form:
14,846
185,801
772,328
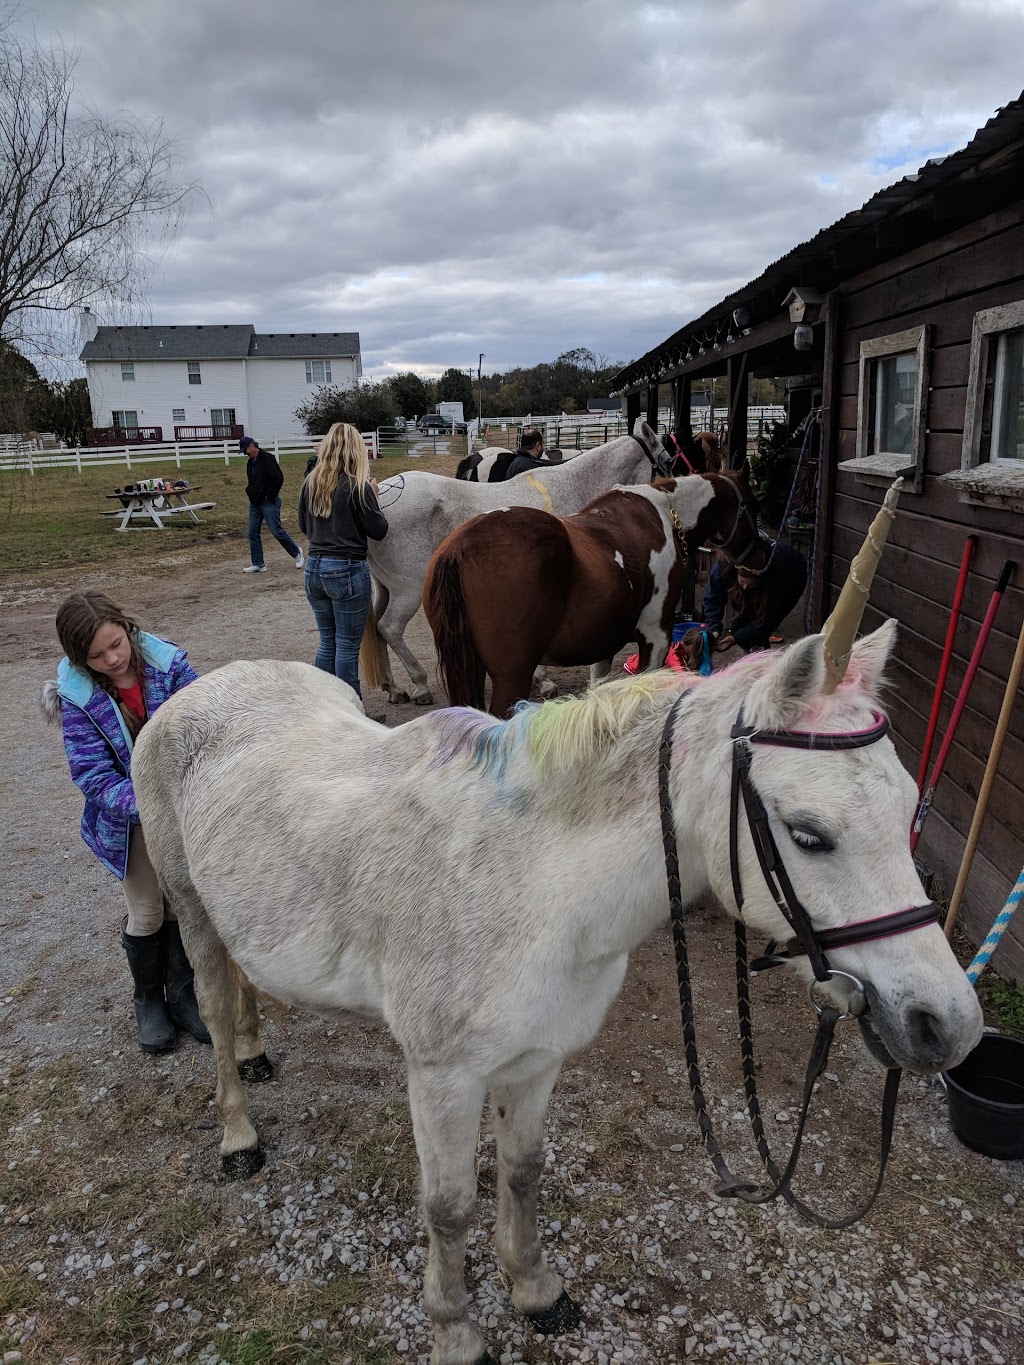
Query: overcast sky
447,177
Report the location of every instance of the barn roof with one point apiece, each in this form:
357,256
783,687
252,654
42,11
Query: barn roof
230,341
946,193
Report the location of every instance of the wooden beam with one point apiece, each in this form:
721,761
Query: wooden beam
681,385
830,393
634,407
652,406
737,435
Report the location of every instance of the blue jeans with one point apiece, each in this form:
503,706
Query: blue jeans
338,590
269,512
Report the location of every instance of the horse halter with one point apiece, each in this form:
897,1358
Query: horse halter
658,472
811,942
743,513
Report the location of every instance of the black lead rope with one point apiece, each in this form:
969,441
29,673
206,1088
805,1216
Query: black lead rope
730,1186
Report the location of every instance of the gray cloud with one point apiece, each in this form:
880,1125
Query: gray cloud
450,177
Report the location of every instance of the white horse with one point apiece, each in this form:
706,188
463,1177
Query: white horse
487,920
422,509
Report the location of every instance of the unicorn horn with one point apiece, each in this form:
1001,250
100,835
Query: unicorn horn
841,628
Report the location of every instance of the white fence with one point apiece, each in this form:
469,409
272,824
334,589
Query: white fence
178,452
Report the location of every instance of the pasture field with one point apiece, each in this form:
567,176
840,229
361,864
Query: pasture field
53,518
121,1243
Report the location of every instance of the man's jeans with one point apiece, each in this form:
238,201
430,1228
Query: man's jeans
269,512
338,590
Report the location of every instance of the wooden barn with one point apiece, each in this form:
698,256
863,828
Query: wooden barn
904,323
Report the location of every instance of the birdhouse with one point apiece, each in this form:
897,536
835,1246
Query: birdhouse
803,304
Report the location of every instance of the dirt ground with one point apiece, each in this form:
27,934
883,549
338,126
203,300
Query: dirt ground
119,1241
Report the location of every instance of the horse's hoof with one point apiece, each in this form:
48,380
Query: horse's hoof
398,698
424,699
563,1315
244,1163
255,1069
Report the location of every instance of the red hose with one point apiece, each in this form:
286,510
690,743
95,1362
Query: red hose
961,702
970,544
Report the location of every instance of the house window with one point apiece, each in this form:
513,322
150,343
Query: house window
318,371
194,375
177,415
128,370
997,389
126,419
222,419
892,395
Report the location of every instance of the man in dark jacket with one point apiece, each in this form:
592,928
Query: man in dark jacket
263,482
768,595
527,457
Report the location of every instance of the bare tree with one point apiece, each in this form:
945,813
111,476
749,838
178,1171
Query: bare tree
80,192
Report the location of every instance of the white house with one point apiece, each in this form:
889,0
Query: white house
181,383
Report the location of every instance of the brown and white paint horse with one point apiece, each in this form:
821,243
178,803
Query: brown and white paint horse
517,586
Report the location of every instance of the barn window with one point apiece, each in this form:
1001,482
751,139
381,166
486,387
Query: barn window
318,371
1002,398
893,385
128,370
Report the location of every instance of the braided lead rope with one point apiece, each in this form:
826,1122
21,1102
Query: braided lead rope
729,1185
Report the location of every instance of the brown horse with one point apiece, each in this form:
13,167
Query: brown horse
517,586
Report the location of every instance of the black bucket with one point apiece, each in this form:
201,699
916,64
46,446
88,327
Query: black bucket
986,1098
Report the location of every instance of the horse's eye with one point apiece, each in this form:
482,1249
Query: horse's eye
809,840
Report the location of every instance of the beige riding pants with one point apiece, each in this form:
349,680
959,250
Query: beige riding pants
146,905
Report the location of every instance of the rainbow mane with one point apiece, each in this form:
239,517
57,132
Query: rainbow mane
562,734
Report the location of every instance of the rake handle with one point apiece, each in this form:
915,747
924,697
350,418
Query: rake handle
988,781
970,544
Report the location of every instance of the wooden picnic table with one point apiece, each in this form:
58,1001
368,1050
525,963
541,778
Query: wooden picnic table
155,505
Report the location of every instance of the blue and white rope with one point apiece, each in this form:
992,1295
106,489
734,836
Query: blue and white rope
984,953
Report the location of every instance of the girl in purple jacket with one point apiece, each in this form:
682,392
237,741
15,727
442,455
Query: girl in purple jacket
113,678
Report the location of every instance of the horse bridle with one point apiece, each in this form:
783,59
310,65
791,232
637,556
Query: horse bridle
808,941
743,513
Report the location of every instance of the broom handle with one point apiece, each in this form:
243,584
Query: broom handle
970,544
1005,574
981,809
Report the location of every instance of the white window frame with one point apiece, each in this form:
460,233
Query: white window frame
178,417
886,465
195,373
988,322
326,370
232,423
128,371
124,426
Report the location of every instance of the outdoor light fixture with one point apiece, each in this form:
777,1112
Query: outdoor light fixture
741,319
803,336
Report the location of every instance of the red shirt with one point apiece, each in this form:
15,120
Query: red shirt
132,698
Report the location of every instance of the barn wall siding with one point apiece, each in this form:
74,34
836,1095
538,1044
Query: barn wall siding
943,284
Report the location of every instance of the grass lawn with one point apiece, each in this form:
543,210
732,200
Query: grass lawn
52,519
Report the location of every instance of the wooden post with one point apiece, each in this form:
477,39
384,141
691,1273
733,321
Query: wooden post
633,410
128,457
683,421
737,372
78,458
31,468
830,386
652,406
177,455
227,457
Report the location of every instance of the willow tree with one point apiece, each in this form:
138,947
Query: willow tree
81,193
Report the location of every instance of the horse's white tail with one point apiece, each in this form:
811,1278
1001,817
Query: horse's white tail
373,659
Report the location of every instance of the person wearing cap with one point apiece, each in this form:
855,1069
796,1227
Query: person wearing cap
263,489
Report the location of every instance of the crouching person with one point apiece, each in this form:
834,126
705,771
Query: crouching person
113,678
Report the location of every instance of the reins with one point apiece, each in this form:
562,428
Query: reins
810,941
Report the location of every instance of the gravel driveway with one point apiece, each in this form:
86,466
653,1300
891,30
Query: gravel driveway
120,1242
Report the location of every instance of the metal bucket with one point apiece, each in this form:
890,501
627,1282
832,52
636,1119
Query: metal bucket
986,1098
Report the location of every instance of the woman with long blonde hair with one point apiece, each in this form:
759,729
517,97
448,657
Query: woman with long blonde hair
338,510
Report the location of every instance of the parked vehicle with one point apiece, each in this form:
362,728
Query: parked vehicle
433,423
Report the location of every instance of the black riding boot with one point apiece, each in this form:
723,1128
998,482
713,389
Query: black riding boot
145,961
182,1005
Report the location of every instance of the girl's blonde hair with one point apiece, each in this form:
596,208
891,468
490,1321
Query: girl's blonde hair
342,455
79,617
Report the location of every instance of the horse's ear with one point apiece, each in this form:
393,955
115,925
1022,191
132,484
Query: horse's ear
870,656
743,474
778,698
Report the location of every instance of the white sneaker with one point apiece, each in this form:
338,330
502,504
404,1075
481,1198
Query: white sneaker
300,559
255,568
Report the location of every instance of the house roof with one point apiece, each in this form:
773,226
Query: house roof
231,341
946,193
